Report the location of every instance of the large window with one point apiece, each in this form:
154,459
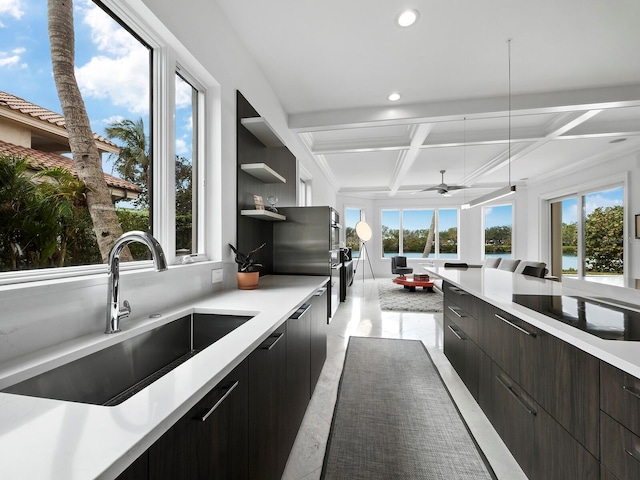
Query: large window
498,231
186,126
587,236
115,71
426,233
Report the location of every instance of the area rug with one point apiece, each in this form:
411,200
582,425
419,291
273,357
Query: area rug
394,419
399,299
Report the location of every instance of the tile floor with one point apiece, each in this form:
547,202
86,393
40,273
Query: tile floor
360,315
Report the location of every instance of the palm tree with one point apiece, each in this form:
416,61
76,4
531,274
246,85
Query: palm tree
85,153
132,162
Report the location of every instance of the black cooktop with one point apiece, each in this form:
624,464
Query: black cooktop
606,321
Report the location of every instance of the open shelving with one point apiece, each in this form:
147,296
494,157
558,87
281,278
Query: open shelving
263,215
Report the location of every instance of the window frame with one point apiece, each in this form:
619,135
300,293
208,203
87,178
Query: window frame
436,244
513,229
168,57
579,192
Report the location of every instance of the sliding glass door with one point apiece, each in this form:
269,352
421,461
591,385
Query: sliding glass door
587,236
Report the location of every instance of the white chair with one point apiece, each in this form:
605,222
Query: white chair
508,264
492,262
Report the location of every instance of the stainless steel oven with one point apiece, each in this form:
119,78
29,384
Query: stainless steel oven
335,230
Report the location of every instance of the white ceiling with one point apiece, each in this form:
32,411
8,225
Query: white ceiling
575,87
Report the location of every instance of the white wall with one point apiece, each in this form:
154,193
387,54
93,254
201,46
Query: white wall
37,315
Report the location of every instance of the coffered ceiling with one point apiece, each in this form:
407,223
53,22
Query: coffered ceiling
575,87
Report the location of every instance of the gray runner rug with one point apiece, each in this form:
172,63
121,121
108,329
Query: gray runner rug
394,419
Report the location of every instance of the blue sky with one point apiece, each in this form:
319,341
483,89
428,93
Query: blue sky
112,67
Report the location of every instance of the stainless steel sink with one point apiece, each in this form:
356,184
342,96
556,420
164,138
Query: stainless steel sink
110,376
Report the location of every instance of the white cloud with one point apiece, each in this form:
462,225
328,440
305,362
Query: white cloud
181,146
120,72
19,50
183,93
112,119
11,61
11,8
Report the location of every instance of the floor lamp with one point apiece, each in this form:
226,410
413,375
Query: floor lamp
363,230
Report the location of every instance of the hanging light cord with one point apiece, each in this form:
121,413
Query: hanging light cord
509,65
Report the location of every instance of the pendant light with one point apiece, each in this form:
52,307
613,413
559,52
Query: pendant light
509,189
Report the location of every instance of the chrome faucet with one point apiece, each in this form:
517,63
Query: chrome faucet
115,312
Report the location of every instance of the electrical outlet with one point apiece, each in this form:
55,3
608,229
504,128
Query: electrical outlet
216,275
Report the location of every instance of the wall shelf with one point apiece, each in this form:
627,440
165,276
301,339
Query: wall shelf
263,172
261,129
263,215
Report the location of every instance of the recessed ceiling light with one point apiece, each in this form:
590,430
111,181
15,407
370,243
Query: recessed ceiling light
394,97
407,18
617,140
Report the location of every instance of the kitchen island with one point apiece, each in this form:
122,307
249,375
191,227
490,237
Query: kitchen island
51,439
537,358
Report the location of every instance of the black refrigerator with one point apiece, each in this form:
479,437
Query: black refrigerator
308,243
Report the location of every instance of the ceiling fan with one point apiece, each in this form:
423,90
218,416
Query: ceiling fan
443,189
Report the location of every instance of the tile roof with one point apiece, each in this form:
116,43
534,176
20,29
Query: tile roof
18,104
39,160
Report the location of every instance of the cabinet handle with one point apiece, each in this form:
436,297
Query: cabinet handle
633,454
222,399
531,334
515,395
632,390
454,332
458,291
304,308
454,310
273,343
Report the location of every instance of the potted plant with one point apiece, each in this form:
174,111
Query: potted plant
248,274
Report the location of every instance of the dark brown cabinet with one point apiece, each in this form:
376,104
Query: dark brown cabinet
218,430
540,445
463,354
540,393
507,340
619,423
298,369
245,426
209,441
137,470
318,335
268,451
620,449
566,384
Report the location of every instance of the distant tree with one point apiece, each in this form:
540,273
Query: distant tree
132,161
604,240
83,147
449,240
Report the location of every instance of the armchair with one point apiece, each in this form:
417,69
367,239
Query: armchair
399,265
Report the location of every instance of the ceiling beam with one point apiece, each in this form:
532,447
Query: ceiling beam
406,158
559,126
536,103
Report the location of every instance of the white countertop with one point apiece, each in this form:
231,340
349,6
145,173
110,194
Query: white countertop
52,439
497,287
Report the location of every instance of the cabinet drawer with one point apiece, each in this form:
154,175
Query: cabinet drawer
463,355
462,299
461,317
620,449
620,396
505,339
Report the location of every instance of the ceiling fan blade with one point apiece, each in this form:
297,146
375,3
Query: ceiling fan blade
457,187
